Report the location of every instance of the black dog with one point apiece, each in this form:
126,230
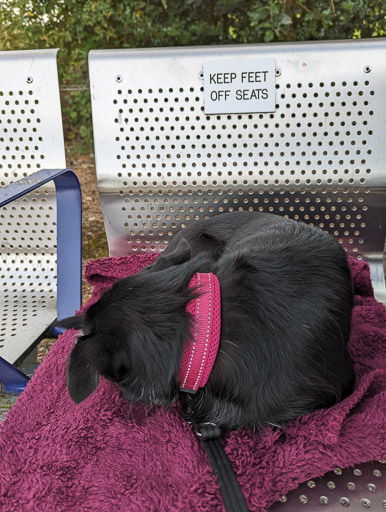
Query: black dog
286,303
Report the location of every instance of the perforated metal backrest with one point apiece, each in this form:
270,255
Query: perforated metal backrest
162,162
31,138
357,488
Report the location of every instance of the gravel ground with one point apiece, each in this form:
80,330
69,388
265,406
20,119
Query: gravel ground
6,403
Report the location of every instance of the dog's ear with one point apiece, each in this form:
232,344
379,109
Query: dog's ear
94,355
82,371
179,255
71,322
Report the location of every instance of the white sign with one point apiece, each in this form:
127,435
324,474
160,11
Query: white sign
239,86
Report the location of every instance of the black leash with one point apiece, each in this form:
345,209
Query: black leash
231,493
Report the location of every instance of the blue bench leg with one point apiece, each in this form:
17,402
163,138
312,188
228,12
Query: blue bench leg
12,380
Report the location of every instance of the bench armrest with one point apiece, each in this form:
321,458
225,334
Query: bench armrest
69,248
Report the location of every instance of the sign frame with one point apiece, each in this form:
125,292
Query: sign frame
239,86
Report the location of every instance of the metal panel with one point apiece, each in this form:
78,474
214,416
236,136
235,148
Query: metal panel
162,163
31,138
356,488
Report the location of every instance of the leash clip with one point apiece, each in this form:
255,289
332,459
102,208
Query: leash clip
207,431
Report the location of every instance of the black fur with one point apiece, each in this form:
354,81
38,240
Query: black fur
286,299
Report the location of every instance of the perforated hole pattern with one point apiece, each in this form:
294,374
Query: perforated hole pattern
359,488
28,225
20,136
28,287
308,161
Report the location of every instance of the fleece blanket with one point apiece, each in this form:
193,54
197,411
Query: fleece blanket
107,454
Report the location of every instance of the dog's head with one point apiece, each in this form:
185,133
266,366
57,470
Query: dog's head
134,334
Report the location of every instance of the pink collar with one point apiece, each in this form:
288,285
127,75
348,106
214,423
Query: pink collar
201,351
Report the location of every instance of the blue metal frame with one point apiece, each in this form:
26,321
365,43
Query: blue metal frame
69,250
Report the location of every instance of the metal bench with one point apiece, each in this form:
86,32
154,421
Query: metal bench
31,139
164,161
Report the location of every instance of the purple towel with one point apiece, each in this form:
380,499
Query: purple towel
107,454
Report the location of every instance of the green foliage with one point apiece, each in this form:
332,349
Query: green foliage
302,20
77,26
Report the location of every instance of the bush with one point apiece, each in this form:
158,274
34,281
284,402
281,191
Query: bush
76,27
